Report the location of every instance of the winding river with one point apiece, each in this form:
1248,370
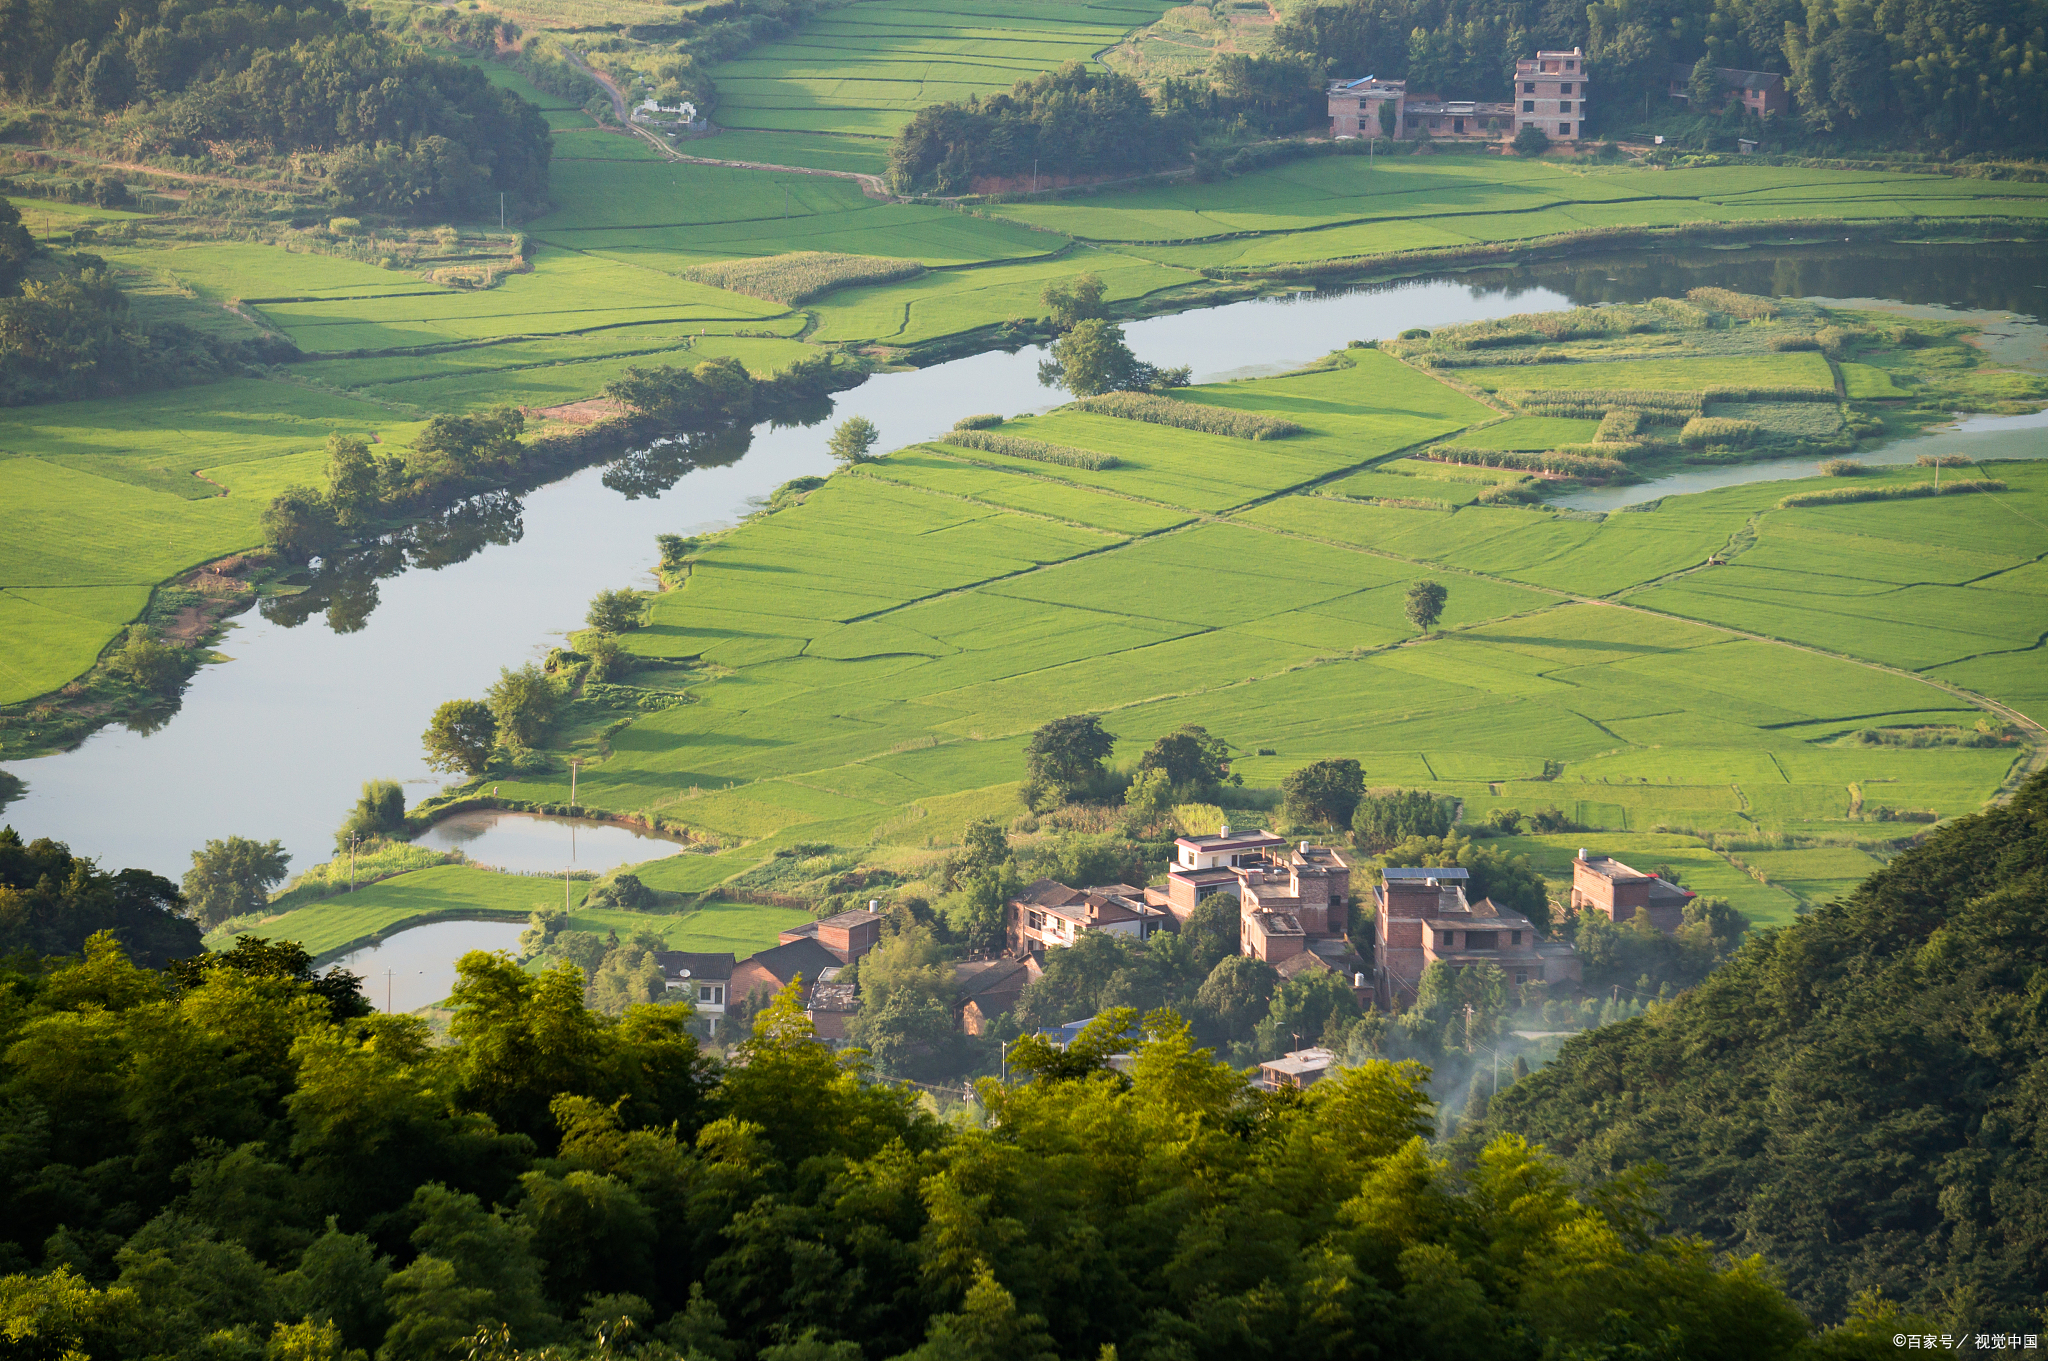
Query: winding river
334,688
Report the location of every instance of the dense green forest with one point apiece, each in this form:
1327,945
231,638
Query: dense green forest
1861,1097
1953,75
1070,122
228,1162
408,133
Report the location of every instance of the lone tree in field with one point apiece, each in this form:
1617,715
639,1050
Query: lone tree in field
1065,757
852,440
1073,301
461,737
233,877
1325,792
1531,141
1093,358
1426,604
615,611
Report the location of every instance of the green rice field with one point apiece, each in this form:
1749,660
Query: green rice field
885,646
863,69
327,927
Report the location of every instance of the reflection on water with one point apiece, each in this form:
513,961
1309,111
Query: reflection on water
416,967
276,742
532,841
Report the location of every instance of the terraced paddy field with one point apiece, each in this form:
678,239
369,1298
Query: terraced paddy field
865,68
883,648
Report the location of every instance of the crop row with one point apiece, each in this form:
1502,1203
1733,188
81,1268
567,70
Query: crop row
1213,420
1037,450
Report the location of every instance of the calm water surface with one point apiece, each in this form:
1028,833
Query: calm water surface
416,968
336,688
532,842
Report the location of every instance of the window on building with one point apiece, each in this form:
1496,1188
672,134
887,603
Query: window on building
1520,978
1571,66
1515,937
1529,88
1564,106
712,994
1564,129
1038,921
1565,88
1481,940
1528,106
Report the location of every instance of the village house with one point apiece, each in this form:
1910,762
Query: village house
1760,92
987,988
1423,918
831,1007
848,936
705,979
767,972
1297,1069
1550,92
1613,889
1050,914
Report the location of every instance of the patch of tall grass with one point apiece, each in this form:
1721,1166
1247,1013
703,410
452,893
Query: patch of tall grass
1037,450
801,275
1212,420
1895,492
1552,461
1734,304
1701,431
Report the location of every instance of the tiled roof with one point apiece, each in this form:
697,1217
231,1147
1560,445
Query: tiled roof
805,957
712,968
834,997
1047,893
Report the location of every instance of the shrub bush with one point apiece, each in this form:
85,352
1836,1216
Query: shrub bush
1843,467
1579,465
1037,450
1704,430
984,421
1733,303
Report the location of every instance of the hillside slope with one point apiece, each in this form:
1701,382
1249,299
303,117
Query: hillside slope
1859,1097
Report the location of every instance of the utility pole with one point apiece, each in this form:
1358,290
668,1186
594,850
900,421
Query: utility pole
1034,174
387,990
351,862
501,211
565,888
574,763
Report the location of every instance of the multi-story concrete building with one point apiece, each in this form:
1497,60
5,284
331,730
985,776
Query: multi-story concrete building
1422,918
1613,889
1550,92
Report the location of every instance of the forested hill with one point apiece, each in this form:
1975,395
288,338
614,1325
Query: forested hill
411,133
1969,76
1861,1097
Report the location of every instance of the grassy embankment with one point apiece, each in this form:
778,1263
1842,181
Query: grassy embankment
871,660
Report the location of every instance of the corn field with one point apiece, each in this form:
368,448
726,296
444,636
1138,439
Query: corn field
1910,490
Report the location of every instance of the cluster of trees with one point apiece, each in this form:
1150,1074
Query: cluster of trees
413,134
467,736
67,333
1246,96
228,1162
1091,355
1857,1096
1914,71
1072,123
453,457
52,901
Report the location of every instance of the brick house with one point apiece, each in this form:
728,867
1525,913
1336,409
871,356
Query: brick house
988,988
1424,918
831,1007
848,936
1550,92
1607,886
1760,92
705,979
1298,1069
1203,865
1049,913
767,972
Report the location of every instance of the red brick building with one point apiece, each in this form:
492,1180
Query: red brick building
1423,918
1048,913
1609,887
848,936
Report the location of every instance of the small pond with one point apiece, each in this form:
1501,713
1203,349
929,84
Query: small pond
533,842
416,967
